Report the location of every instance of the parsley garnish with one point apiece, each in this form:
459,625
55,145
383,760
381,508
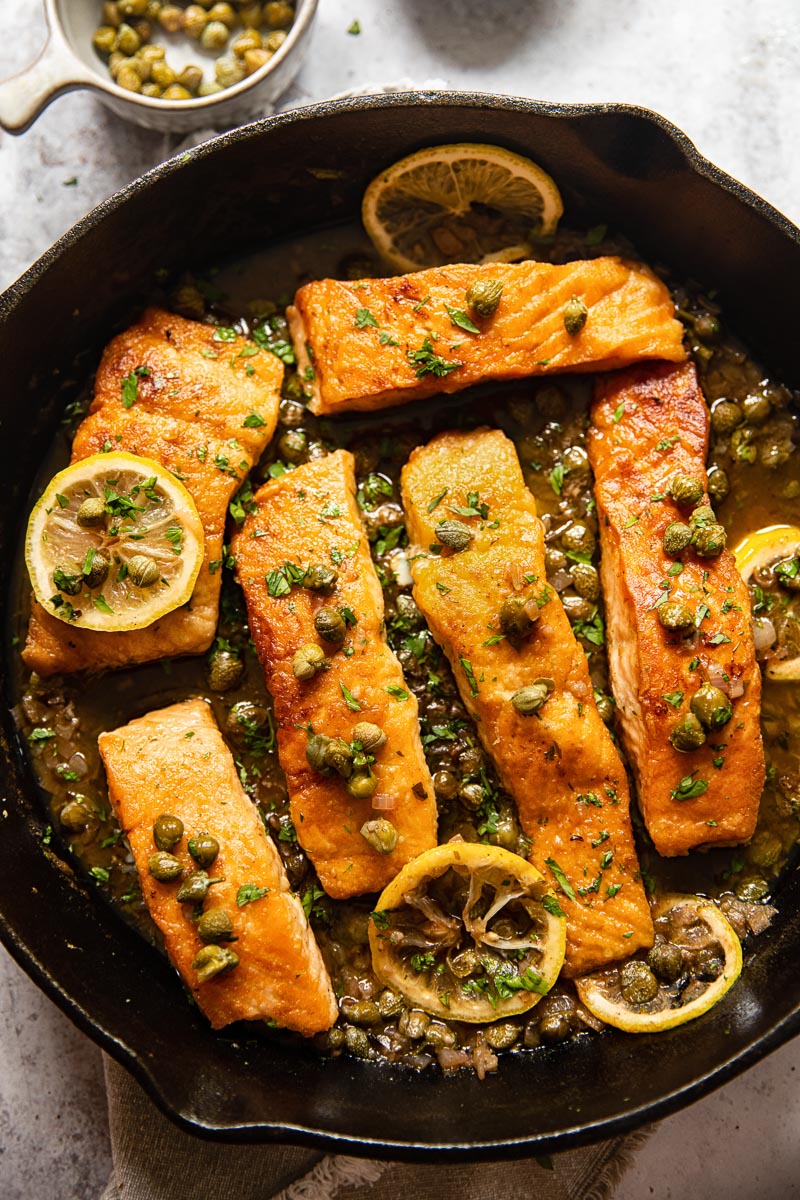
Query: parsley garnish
551,905
253,421
174,535
364,318
466,666
349,698
557,478
425,362
689,788
461,320
399,693
249,892
102,605
435,503
386,339
380,918
528,981
673,698
618,411
560,878
130,386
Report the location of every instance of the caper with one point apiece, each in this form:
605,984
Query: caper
765,849
528,700
666,961
471,794
756,408
707,327
585,581
320,579
75,816
576,462
190,77
726,415
316,749
605,707
637,983
225,670
229,70
362,784
516,618
293,446
389,1003
278,14
176,92
339,757
677,536
575,314
215,925
128,40
360,1012
710,541
152,90
104,39
413,1024
578,609
111,14
675,616
445,785
408,611
330,626
194,888
132,8
222,12
380,834
308,661
371,737
356,1041
787,573
164,867
502,1035
752,889
70,585
143,572
711,706
152,54
249,39
167,831
718,484
204,849
688,734
686,490
702,515
484,295
742,445
254,59
98,571
194,20
170,18
554,560
555,1027
91,513
455,535
578,538
213,960
466,962
214,35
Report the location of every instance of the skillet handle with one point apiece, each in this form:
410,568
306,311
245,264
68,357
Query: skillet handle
55,71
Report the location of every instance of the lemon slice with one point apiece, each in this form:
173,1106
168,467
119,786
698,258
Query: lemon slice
763,549
696,959
466,202
114,543
468,931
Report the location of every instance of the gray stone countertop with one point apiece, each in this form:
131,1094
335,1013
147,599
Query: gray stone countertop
726,72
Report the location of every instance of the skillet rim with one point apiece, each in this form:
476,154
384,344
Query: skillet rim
780,1031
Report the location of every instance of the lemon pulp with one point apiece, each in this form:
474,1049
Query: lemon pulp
468,931
466,202
128,562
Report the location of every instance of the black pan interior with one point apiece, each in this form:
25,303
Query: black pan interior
277,178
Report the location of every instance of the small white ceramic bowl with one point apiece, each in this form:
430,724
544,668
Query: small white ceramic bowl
69,61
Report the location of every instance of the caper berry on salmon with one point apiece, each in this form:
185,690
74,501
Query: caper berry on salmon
524,679
381,342
211,877
361,794
203,402
681,654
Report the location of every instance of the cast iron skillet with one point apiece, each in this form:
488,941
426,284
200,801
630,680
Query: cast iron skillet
613,163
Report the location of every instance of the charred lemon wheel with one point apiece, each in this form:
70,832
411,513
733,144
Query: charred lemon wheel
696,958
468,931
777,549
114,543
466,202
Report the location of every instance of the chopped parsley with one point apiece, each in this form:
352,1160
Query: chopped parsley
349,698
130,386
466,666
365,319
438,500
426,362
249,892
400,694
560,878
460,320
673,698
689,788
253,421
551,905
557,478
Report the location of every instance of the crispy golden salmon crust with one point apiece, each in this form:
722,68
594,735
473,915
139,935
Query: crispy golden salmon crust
560,766
649,424
310,516
189,415
363,337
175,761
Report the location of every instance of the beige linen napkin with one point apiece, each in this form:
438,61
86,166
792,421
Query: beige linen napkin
154,1160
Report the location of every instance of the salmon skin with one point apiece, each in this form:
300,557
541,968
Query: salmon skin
559,764
649,424
381,342
202,415
310,517
175,761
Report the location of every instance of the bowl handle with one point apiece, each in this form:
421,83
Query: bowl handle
55,71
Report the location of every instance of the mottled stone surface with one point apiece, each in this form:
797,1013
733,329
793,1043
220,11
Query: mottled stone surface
726,72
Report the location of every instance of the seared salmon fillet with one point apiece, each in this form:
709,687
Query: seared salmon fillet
199,413
380,342
175,761
559,763
648,425
309,517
